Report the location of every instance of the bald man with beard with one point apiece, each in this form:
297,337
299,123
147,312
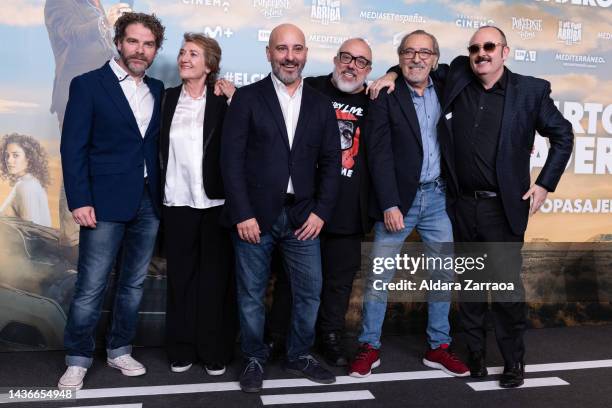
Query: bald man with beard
280,158
342,235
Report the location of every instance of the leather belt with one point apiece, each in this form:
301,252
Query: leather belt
480,194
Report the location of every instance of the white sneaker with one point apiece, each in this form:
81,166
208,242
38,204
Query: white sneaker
72,378
127,365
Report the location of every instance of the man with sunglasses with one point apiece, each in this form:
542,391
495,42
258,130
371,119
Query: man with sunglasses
491,114
341,236
408,166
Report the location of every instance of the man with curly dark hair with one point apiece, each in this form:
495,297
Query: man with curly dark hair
111,175
24,164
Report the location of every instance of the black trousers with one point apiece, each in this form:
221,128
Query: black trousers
201,313
340,259
484,221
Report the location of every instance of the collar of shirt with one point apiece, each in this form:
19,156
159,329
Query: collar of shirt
501,83
282,88
185,94
120,72
414,93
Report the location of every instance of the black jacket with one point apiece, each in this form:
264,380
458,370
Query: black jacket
214,113
394,146
527,108
257,160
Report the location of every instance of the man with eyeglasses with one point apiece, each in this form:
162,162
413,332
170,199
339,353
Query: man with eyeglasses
341,236
408,165
491,115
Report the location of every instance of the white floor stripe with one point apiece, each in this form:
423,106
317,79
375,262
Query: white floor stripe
267,384
572,365
291,383
316,397
111,406
529,382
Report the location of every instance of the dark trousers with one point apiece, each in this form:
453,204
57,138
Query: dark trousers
340,260
201,314
483,221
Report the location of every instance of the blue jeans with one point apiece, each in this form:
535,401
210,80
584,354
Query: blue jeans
98,249
428,215
302,262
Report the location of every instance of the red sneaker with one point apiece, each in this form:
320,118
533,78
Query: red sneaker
365,360
442,359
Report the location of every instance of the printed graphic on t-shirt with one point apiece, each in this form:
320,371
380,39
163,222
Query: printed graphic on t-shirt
348,125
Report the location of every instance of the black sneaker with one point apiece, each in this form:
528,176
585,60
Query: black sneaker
251,378
330,346
307,366
180,366
214,369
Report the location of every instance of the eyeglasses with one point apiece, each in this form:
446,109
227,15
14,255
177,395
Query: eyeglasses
488,47
410,53
360,62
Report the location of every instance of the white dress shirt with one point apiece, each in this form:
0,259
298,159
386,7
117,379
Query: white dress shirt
184,181
138,96
290,105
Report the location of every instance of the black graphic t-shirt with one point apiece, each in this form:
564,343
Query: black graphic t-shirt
350,112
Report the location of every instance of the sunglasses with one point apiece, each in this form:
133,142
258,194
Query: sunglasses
488,47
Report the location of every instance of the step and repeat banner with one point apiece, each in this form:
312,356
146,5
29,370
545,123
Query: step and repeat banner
47,43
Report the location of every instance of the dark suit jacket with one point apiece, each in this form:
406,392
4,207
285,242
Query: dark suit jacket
257,161
527,108
394,146
214,113
103,153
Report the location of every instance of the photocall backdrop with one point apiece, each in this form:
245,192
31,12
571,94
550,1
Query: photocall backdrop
46,43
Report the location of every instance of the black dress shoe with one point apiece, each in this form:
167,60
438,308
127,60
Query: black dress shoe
477,365
331,349
513,375
180,366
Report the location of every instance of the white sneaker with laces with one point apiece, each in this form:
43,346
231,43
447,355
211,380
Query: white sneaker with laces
72,378
127,365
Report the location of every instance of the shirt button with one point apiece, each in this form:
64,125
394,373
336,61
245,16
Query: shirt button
482,107
476,125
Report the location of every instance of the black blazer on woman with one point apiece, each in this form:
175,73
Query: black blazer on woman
214,113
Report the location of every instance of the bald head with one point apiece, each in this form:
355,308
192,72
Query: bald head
490,32
285,32
287,53
359,46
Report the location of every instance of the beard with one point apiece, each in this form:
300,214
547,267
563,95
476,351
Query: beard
135,68
287,78
344,85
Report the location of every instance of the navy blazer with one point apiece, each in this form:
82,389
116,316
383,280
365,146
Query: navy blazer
395,148
256,160
103,152
527,108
